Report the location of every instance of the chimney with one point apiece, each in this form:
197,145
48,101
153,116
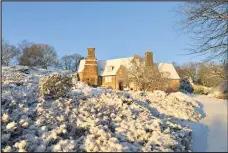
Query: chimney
91,53
149,59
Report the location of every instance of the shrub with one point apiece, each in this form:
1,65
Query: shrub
55,86
186,85
75,78
199,89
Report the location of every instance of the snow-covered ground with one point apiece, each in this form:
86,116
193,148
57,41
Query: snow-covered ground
210,134
91,119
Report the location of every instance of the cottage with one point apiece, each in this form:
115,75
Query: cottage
111,72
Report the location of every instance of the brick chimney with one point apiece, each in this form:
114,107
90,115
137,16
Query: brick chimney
91,53
90,73
149,59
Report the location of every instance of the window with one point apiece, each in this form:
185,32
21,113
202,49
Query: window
108,79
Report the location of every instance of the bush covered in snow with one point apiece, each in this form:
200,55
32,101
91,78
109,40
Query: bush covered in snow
55,86
91,119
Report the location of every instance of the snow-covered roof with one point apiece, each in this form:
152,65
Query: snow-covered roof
165,67
110,67
81,65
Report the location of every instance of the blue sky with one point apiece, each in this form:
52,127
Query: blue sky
115,29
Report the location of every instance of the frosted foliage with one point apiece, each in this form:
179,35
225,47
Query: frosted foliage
55,86
90,119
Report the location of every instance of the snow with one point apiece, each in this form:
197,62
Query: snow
165,67
91,119
81,65
104,64
210,134
115,63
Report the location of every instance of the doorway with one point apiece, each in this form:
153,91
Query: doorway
120,85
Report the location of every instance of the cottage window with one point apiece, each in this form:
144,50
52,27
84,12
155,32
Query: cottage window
108,79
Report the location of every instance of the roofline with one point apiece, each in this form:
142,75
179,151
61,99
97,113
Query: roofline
117,58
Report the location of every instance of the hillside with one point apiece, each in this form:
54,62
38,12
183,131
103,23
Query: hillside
91,119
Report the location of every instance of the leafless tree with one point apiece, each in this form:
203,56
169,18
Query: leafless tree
9,52
211,74
71,62
188,70
22,46
207,22
145,77
41,55
48,56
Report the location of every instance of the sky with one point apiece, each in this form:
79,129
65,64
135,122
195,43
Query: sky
114,29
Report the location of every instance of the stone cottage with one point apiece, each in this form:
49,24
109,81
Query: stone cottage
111,72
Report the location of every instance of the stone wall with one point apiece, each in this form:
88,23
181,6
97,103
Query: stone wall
174,84
107,83
121,76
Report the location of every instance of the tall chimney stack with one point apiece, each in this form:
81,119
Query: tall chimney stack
149,59
91,53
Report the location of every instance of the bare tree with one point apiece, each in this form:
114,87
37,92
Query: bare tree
9,52
71,62
188,70
48,56
211,74
41,55
207,22
22,46
145,77
67,62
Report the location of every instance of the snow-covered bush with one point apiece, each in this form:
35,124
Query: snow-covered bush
105,87
75,78
175,104
199,89
55,86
